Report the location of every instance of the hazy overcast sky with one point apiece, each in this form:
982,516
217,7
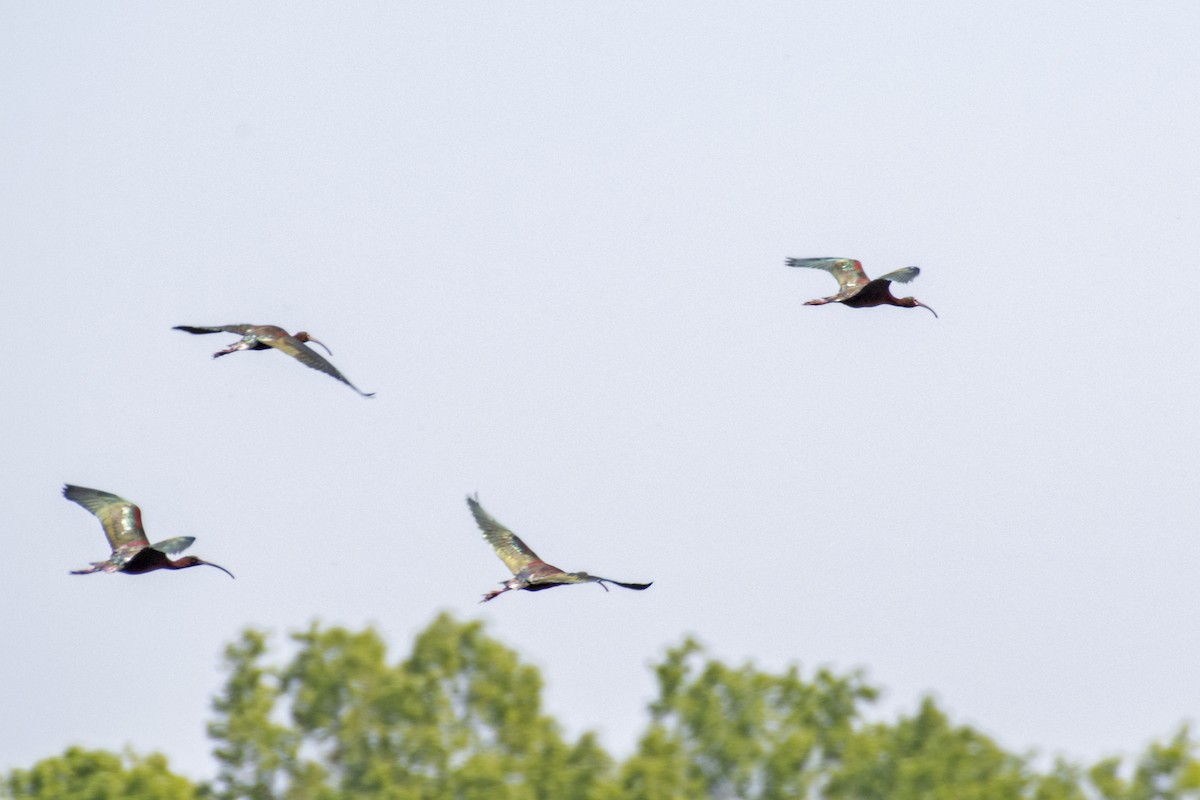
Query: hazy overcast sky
551,237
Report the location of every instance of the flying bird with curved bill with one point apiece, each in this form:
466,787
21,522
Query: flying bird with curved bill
132,552
529,572
264,337
855,289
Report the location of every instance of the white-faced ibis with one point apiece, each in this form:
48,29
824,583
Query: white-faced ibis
263,337
855,289
131,550
529,572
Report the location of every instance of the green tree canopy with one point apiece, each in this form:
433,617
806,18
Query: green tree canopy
80,774
925,757
1167,771
723,732
459,719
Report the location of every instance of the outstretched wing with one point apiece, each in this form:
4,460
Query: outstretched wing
175,545
902,275
515,554
584,577
848,272
637,586
122,520
238,329
308,357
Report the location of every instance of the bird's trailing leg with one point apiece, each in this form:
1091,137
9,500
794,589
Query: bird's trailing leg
240,344
494,593
97,566
520,581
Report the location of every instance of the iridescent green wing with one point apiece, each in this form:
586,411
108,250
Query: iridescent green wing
902,275
848,272
174,545
308,357
584,577
121,519
515,554
635,586
305,355
238,329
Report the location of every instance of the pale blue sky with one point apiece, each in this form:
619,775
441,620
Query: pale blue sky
551,237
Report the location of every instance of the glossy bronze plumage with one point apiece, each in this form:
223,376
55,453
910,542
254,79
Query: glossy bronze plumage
529,572
132,552
263,337
855,289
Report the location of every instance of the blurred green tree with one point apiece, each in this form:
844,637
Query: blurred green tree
925,757
1167,771
258,756
80,774
459,719
723,732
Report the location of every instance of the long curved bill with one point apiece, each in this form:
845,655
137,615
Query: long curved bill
922,305
327,350
218,566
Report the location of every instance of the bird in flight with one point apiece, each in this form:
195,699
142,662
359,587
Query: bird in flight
529,572
132,552
855,289
263,337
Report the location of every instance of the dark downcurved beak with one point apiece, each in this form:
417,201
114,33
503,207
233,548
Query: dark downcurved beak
218,566
922,305
327,350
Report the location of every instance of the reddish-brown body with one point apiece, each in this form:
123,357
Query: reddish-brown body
267,337
132,552
877,293
148,559
529,572
855,289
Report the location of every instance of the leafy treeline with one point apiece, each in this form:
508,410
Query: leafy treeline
461,719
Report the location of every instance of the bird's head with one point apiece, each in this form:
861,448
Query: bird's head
194,561
912,302
304,336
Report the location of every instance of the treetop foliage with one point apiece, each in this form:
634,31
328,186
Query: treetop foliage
461,718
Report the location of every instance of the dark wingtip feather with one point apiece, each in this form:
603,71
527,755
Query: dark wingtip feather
635,586
76,494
